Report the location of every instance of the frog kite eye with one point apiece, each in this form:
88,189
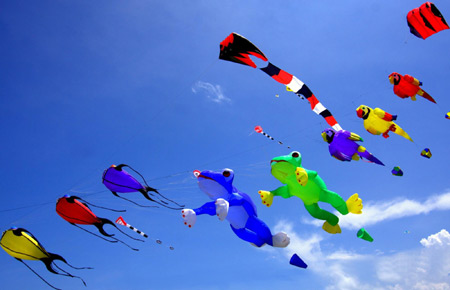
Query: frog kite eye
236,48
295,154
22,245
226,173
117,180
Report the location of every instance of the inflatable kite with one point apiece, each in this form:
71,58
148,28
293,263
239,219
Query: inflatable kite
76,211
297,261
310,188
236,48
364,235
426,153
377,122
22,245
235,206
426,20
259,129
343,146
116,179
397,171
408,86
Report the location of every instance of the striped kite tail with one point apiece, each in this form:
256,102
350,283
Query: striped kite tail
300,89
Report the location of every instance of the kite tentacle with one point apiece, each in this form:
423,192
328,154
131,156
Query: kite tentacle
129,200
35,273
96,234
148,188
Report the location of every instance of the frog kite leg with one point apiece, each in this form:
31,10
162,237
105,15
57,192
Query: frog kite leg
235,206
310,188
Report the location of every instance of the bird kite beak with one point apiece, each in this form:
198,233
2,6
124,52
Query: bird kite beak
360,113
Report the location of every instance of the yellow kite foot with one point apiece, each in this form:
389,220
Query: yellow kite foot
354,204
336,229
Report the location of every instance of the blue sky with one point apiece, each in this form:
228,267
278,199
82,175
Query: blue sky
88,84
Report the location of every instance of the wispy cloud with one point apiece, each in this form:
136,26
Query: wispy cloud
424,267
213,92
377,212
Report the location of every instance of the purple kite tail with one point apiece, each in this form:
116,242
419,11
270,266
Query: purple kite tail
367,155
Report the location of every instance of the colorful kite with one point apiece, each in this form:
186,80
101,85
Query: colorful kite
377,122
364,235
235,206
76,211
116,179
426,20
259,129
343,146
236,48
297,261
408,86
426,153
397,171
22,245
310,188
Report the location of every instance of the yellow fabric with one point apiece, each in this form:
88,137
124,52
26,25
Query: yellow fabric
22,247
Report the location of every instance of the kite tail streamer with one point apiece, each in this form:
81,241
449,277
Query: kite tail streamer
106,221
35,273
259,129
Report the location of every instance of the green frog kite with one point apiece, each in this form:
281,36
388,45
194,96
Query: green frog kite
310,188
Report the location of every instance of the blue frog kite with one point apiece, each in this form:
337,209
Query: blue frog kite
235,206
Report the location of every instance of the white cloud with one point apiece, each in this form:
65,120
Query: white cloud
376,212
425,267
441,238
213,92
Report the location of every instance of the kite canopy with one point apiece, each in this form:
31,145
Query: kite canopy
426,20
236,48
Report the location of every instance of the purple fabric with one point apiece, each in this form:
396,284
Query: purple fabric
120,181
341,147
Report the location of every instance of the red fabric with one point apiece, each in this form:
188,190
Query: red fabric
405,88
313,101
331,121
283,77
76,212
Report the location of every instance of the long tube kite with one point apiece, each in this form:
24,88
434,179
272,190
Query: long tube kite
236,48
